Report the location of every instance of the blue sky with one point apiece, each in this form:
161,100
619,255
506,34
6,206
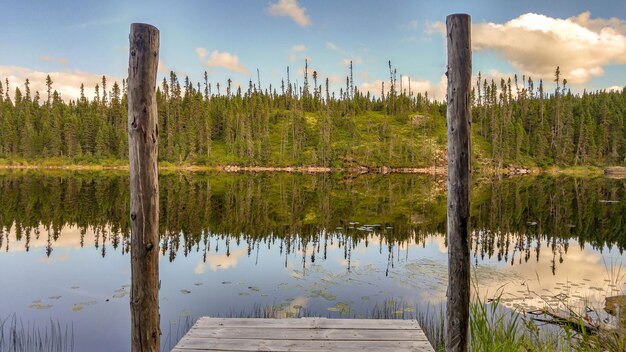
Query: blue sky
80,41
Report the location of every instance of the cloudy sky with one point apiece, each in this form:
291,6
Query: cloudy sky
80,41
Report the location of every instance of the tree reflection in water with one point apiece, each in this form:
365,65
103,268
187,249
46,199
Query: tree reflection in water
512,219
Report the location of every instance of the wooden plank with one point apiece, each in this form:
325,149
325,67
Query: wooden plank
304,334
307,334
307,323
208,344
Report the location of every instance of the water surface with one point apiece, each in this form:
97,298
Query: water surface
288,245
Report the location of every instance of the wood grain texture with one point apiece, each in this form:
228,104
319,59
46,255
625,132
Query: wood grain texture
143,146
305,334
459,152
307,323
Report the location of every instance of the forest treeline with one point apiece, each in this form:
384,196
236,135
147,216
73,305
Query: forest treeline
522,123
514,122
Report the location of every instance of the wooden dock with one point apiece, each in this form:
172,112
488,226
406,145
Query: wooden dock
304,334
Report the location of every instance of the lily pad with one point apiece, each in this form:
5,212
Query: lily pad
39,305
344,308
323,294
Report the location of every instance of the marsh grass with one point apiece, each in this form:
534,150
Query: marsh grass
491,329
432,321
17,337
494,327
275,311
176,331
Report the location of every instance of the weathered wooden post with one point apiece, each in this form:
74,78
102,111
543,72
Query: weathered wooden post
143,147
459,152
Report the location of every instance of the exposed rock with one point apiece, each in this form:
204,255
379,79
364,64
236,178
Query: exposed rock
616,172
615,304
518,171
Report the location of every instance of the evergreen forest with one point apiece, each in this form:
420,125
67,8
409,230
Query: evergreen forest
516,122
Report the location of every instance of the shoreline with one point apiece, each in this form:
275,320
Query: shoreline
314,169
438,170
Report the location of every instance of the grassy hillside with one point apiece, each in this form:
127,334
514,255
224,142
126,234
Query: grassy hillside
371,139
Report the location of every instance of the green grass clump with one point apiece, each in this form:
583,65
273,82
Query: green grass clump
493,330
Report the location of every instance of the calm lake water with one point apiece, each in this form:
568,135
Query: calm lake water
289,245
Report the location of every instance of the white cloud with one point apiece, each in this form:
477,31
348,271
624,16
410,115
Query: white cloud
199,268
296,53
373,87
331,46
412,24
298,48
536,44
221,59
335,79
58,60
163,68
201,53
494,75
435,90
597,24
355,61
615,88
222,261
66,82
435,27
583,266
71,239
291,9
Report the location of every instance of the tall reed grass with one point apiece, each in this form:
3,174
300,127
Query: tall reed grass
17,337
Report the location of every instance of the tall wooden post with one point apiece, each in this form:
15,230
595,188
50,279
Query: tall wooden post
143,147
459,152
